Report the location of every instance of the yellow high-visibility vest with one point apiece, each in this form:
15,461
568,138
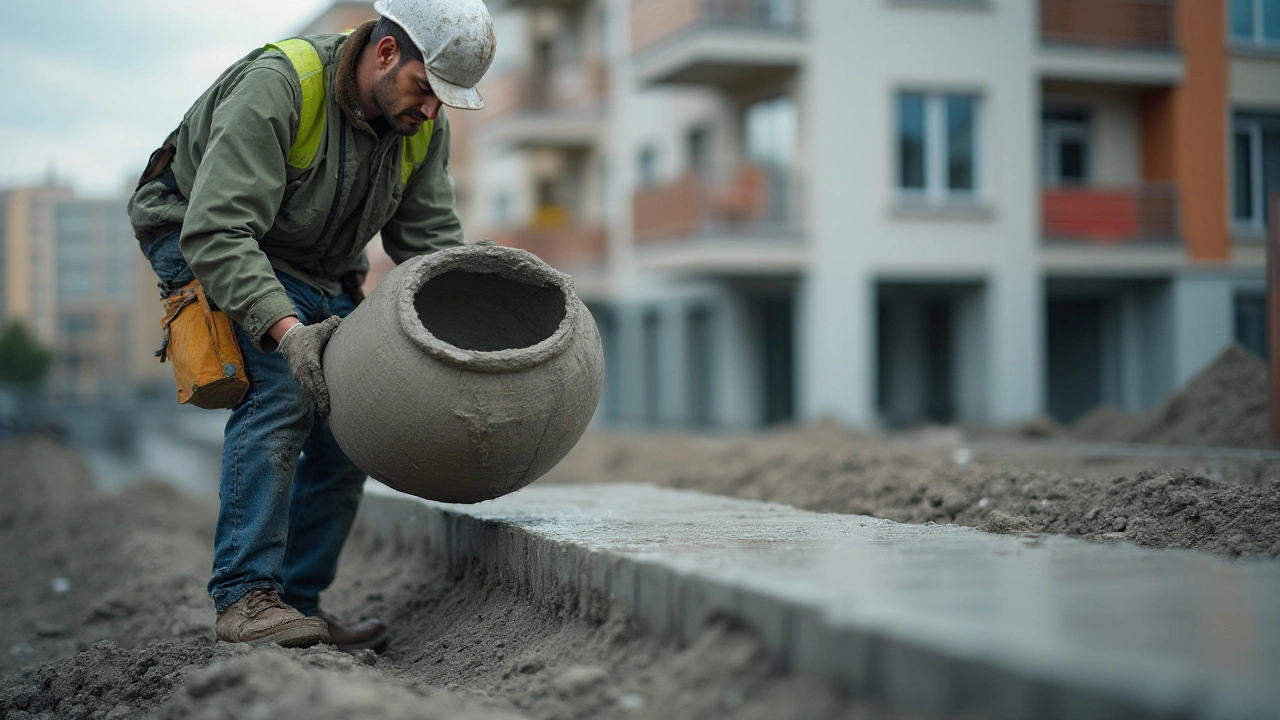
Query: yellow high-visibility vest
306,61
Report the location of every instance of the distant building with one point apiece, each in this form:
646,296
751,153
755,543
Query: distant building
73,273
100,314
29,260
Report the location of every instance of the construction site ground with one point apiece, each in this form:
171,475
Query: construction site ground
103,612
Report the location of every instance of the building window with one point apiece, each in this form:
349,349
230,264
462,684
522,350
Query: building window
771,129
698,149
1067,141
1255,22
647,166
1251,322
652,371
77,327
938,146
1255,148
502,208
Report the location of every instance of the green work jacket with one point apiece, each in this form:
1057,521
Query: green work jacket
245,212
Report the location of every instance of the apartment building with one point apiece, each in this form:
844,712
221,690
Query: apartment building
27,246
889,211
73,274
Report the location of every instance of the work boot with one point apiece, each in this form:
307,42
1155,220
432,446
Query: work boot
259,618
371,633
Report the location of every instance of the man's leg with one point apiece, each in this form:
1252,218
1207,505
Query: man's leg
327,488
260,449
263,438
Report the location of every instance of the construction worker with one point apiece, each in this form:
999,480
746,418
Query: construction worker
267,193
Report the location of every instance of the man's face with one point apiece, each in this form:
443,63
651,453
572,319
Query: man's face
404,97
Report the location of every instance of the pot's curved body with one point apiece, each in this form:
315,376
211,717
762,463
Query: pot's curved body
465,375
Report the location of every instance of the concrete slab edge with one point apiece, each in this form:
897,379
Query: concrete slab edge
904,673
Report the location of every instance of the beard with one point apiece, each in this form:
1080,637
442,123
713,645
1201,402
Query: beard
386,98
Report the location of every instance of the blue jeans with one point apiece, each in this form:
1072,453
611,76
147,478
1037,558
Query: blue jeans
168,262
282,520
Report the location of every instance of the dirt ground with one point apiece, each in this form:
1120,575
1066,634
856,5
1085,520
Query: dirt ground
103,613
103,616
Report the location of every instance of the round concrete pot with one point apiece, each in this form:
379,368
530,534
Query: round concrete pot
465,375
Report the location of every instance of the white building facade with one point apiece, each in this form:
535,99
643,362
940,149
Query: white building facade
887,211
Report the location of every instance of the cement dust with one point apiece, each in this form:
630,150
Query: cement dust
131,638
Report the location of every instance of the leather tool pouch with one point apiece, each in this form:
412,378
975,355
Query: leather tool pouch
200,343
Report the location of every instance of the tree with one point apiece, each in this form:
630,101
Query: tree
23,360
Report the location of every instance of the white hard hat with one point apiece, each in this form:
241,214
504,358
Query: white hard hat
456,41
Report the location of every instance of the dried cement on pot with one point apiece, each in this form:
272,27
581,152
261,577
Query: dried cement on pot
465,375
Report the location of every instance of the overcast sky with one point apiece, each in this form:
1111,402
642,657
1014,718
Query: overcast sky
88,88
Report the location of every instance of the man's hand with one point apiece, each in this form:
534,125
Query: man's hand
303,347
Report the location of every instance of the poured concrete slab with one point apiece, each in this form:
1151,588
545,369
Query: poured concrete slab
932,618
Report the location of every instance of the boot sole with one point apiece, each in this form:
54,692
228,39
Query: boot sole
299,637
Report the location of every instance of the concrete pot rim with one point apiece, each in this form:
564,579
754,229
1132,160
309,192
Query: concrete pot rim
485,257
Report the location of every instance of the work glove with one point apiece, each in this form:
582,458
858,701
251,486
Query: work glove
303,347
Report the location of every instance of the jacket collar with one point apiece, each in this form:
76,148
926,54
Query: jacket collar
344,84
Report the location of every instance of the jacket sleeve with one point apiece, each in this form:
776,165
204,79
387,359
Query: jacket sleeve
237,192
426,219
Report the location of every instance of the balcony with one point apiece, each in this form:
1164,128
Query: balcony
748,226
728,44
1115,41
561,108
496,5
1147,213
567,247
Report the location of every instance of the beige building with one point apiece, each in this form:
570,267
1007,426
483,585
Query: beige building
27,239
73,274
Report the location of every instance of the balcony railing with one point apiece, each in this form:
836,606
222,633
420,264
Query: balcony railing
569,89
1134,24
759,200
566,247
655,20
1146,213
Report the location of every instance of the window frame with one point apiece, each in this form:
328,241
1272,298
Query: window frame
1058,123
1258,18
936,148
1251,124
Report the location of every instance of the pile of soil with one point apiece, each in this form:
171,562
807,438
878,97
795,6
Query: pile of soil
826,469
103,616
1223,406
